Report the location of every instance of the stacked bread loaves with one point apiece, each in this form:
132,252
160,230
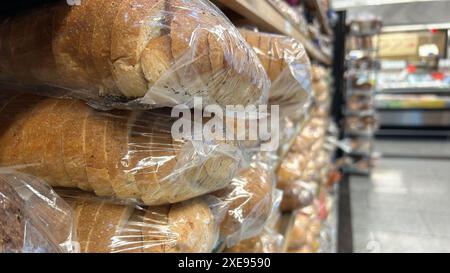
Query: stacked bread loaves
306,162
125,53
131,184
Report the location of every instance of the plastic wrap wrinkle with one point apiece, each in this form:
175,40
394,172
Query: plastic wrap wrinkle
35,219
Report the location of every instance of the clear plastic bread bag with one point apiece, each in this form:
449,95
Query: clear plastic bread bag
304,232
269,240
132,54
120,153
289,69
34,218
250,199
103,226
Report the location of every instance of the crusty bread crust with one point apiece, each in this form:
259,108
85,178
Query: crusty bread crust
129,155
161,52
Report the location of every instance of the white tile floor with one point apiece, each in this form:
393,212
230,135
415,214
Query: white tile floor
405,205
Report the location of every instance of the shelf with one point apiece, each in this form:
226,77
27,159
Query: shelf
363,92
356,171
362,134
267,18
322,15
359,154
362,113
415,90
412,109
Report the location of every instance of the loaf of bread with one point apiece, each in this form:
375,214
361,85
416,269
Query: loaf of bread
249,199
126,154
33,219
304,233
296,194
287,65
102,227
266,242
269,240
318,73
126,53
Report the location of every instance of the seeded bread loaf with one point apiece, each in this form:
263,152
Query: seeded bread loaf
150,52
118,153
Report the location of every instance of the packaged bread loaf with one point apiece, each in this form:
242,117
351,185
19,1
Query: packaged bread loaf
123,154
34,219
104,227
269,240
303,234
249,200
132,53
287,65
297,194
266,242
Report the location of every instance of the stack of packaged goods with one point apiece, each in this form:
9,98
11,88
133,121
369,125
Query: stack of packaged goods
85,109
289,70
306,178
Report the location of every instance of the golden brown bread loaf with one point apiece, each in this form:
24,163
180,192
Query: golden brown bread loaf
287,65
159,51
304,234
266,242
249,201
118,153
187,227
291,168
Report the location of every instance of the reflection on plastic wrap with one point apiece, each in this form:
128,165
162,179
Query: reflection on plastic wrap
134,53
186,227
34,219
125,154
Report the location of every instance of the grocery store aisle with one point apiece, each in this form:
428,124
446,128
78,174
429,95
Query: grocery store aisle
403,206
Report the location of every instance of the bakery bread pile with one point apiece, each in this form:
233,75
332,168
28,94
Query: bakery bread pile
82,109
125,53
86,99
302,93
306,165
